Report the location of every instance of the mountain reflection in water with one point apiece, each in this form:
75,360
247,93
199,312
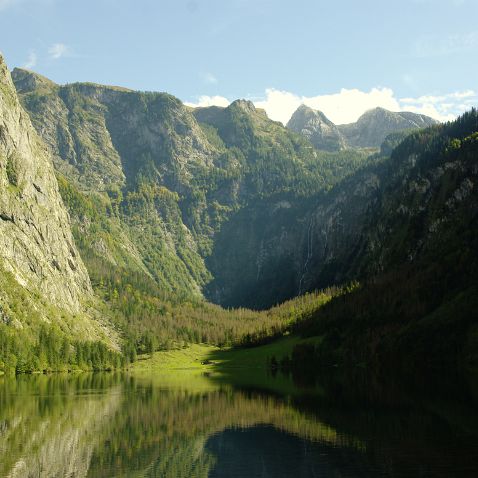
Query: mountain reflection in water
190,425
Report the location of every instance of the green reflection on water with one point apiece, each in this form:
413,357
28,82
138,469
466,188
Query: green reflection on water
159,425
132,425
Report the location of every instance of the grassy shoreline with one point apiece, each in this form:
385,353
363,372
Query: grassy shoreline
206,357
246,368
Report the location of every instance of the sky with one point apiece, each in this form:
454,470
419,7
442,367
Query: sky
340,56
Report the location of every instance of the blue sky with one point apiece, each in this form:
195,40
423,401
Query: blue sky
341,56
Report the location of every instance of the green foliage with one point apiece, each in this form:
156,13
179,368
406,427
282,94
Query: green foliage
11,170
151,319
150,315
53,350
417,310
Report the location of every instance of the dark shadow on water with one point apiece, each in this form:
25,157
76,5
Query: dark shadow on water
343,424
281,455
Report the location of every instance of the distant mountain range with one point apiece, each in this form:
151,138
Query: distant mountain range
369,131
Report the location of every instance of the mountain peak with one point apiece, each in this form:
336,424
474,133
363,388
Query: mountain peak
246,105
376,124
369,131
26,80
375,113
304,111
317,128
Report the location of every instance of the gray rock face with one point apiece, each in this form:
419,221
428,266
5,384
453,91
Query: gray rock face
317,128
369,131
100,136
375,125
74,131
36,244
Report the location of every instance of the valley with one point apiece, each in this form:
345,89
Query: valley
192,225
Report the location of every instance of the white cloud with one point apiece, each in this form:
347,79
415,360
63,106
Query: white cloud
343,107
348,105
58,50
31,62
443,107
209,78
204,101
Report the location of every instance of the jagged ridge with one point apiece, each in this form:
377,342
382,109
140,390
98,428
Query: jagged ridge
369,131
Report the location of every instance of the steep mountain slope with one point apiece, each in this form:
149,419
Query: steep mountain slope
369,131
158,180
376,219
36,242
291,245
133,154
47,308
317,128
415,250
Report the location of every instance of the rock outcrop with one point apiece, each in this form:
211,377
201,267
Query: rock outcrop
317,128
36,244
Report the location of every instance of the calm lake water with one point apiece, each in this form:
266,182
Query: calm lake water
191,425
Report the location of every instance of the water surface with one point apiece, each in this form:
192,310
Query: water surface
191,425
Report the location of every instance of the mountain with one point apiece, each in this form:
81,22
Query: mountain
132,154
150,182
45,286
172,205
317,128
405,225
372,221
369,131
375,125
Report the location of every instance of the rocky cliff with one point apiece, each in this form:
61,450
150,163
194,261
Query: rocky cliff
36,244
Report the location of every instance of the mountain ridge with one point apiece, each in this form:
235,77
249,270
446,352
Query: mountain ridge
174,173
369,131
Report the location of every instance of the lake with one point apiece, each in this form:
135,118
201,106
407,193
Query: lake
183,424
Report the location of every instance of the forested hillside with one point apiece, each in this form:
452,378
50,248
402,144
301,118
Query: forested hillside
416,256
